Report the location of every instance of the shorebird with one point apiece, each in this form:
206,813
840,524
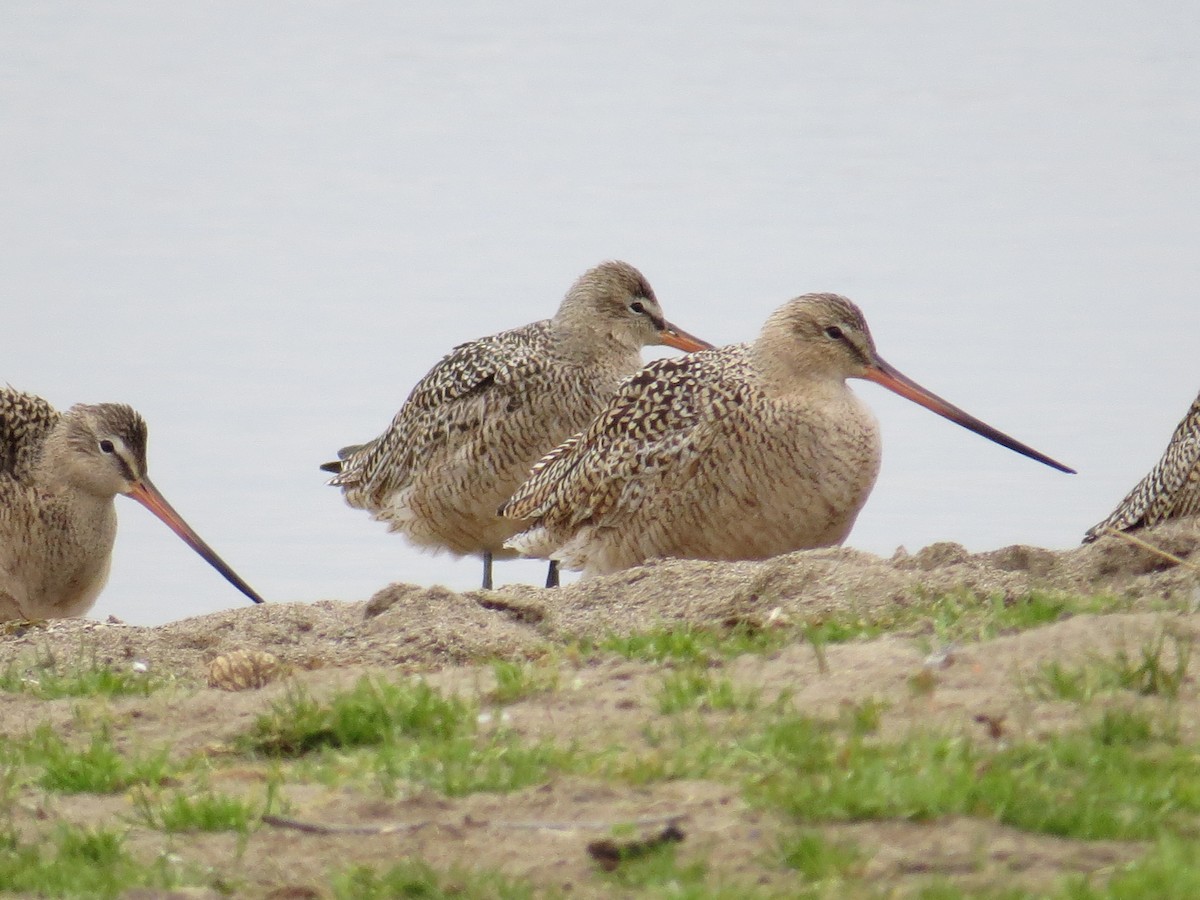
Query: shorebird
59,475
742,452
1171,489
471,429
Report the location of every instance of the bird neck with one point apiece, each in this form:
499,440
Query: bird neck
594,344
782,372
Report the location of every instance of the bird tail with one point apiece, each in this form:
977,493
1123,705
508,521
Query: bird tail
336,466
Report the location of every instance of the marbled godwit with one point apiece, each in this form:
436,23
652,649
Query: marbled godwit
471,429
59,474
742,452
1170,491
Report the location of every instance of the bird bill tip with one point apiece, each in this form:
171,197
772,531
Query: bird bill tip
145,493
897,382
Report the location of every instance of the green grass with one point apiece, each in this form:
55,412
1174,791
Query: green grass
962,617
1122,776
409,732
690,643
1122,773
1056,681
651,867
416,878
941,889
46,682
958,616
659,867
692,688
521,680
1167,871
98,768
201,810
864,717
373,712
819,859
467,765
1131,727
75,862
1080,784
1170,870
1150,672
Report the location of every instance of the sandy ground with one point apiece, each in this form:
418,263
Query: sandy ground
449,637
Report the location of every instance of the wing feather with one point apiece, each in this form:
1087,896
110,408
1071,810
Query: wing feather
25,420
657,421
1170,489
472,382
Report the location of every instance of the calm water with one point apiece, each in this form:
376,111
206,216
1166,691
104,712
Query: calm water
260,224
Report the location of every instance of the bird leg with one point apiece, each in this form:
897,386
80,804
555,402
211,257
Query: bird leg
487,570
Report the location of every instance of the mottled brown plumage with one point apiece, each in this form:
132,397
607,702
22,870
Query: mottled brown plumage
474,425
1171,490
59,474
25,420
743,452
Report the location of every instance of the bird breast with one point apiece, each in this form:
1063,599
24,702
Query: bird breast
792,473
63,562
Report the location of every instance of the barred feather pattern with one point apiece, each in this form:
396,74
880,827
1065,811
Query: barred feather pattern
475,378
25,421
467,435
714,455
471,429
1171,489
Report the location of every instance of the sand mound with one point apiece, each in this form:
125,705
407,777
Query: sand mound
429,627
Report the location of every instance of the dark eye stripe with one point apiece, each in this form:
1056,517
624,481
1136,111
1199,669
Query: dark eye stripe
126,471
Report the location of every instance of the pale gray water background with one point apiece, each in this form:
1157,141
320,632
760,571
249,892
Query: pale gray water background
260,224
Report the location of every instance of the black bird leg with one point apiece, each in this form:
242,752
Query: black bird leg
487,570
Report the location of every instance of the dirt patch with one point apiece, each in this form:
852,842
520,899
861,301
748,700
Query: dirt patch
541,833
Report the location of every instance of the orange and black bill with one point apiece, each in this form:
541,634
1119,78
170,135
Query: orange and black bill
884,374
145,493
680,339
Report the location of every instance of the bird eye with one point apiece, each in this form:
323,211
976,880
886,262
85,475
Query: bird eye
637,307
107,446
834,333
